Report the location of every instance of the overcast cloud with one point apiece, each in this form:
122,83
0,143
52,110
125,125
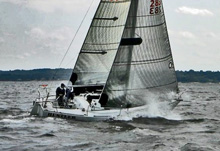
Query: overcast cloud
194,11
36,33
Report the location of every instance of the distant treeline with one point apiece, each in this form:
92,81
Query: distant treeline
198,76
36,74
64,74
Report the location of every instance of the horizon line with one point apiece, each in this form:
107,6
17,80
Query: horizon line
72,69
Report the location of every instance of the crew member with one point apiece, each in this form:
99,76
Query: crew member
60,92
69,95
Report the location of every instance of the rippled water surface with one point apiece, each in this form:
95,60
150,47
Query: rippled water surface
193,125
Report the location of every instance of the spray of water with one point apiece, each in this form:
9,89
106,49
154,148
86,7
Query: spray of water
157,105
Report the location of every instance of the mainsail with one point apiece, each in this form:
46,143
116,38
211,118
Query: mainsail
127,49
148,67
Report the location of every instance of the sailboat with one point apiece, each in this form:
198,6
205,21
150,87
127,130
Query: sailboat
125,58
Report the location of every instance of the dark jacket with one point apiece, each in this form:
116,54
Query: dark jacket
60,92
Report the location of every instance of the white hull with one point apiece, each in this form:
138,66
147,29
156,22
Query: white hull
82,113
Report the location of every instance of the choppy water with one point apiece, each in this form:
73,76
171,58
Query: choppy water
193,125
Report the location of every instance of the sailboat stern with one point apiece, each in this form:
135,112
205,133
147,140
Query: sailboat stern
38,110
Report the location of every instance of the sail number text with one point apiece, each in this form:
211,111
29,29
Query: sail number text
155,7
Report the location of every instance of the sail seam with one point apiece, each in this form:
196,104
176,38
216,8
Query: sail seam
144,61
147,15
102,44
108,26
144,88
88,50
125,1
148,26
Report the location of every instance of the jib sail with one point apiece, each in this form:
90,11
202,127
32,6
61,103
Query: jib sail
101,44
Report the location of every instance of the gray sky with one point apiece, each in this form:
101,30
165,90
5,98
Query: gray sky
37,33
